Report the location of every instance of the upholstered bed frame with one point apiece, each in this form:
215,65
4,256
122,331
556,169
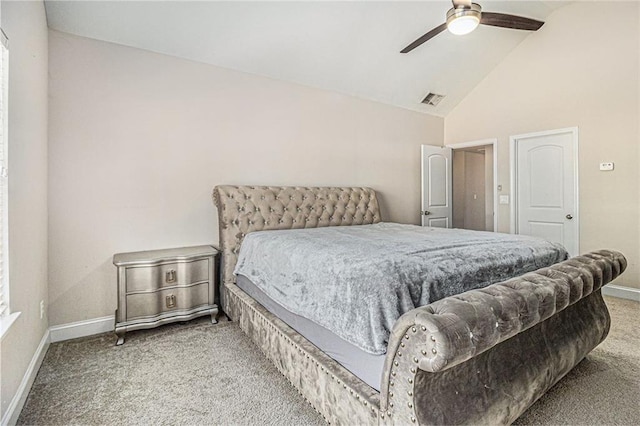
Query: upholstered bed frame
484,356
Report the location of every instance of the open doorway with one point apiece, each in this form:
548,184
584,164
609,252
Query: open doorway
473,198
460,193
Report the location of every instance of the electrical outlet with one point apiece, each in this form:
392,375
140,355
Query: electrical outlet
606,167
41,309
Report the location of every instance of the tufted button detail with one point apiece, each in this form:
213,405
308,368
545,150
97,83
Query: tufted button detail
309,203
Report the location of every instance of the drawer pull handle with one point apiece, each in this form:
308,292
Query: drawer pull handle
170,276
171,301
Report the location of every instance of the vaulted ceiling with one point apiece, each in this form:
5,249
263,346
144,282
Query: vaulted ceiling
346,47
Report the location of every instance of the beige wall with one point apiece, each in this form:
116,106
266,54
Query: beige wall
469,180
138,140
25,25
473,175
488,186
474,203
458,177
571,74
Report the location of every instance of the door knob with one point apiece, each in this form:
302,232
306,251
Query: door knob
569,217
426,213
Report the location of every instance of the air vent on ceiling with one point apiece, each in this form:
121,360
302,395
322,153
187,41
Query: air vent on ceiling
432,99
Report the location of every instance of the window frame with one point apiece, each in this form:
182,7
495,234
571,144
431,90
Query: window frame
7,317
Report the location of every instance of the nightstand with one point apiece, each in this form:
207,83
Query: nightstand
157,287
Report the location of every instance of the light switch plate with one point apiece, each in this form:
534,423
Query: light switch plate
606,167
504,199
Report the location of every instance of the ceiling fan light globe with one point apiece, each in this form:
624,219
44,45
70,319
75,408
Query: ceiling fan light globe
463,20
463,25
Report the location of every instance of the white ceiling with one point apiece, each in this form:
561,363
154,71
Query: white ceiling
346,47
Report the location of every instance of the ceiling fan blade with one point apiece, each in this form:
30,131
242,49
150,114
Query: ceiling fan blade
424,38
510,21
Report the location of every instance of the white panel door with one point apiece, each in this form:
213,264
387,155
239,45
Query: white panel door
436,186
546,187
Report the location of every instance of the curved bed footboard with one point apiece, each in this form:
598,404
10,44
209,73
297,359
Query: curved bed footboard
486,355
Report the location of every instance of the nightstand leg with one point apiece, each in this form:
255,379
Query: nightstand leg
120,340
213,319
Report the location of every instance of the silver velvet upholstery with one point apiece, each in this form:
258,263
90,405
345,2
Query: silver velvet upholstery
481,357
245,209
486,355
461,327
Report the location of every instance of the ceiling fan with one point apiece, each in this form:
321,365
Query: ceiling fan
465,17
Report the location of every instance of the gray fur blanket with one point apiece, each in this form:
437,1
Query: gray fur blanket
356,281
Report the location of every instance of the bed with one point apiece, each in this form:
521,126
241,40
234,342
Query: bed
480,356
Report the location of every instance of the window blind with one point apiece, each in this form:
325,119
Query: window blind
4,232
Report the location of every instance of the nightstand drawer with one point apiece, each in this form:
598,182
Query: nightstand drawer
148,278
142,305
157,287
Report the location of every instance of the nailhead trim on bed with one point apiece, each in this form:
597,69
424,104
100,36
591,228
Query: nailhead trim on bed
448,332
318,378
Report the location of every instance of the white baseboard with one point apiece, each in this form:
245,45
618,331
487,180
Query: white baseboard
15,406
621,292
57,333
82,328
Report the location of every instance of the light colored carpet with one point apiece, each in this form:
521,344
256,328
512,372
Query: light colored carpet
198,373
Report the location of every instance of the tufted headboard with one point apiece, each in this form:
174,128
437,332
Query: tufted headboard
244,209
